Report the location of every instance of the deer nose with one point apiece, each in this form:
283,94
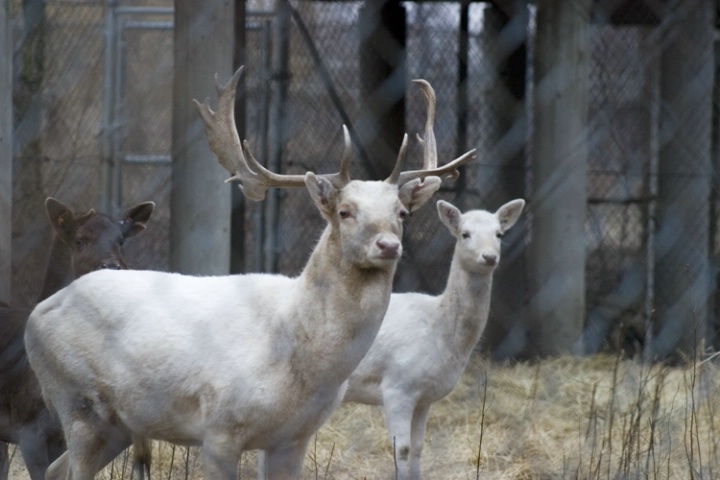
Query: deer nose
110,266
388,248
490,259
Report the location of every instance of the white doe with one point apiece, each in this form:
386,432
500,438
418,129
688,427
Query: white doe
425,341
229,363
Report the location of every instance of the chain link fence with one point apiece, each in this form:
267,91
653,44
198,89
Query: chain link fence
57,112
88,94
624,115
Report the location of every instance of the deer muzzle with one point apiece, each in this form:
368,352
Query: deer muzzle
389,248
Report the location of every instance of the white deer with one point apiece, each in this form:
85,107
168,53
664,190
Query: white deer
229,363
425,341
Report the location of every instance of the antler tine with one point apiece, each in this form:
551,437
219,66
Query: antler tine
345,161
270,178
447,170
342,178
222,136
429,144
399,163
220,127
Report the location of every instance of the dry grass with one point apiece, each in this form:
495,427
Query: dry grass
568,418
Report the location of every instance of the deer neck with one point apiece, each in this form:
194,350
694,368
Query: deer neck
347,303
464,307
58,273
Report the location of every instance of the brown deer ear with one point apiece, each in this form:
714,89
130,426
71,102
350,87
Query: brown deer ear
54,208
131,230
134,218
62,219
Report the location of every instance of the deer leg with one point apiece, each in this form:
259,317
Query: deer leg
417,437
59,469
91,446
142,457
35,454
262,465
221,454
398,417
55,447
286,461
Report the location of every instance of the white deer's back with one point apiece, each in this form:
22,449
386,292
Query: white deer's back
206,339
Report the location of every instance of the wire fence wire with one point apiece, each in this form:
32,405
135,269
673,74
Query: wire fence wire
74,110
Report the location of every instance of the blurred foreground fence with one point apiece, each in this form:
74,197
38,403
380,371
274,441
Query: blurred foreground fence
93,114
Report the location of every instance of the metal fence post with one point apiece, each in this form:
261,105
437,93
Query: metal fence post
6,150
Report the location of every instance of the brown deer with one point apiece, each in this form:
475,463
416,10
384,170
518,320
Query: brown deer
81,244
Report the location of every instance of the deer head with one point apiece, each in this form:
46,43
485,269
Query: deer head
94,240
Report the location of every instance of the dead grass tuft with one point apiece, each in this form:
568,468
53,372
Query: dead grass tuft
599,417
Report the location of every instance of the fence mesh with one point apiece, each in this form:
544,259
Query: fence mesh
62,103
59,81
623,113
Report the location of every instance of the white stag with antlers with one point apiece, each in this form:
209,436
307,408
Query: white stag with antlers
230,363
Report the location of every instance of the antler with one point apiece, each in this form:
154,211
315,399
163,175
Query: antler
255,179
429,144
430,156
237,159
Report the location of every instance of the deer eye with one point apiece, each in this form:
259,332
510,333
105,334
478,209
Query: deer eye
79,244
404,213
344,214
499,235
466,235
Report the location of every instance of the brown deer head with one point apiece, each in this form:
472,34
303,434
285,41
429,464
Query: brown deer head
88,242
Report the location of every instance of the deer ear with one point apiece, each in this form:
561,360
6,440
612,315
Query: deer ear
415,193
62,219
131,229
54,208
322,192
134,218
450,215
509,213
